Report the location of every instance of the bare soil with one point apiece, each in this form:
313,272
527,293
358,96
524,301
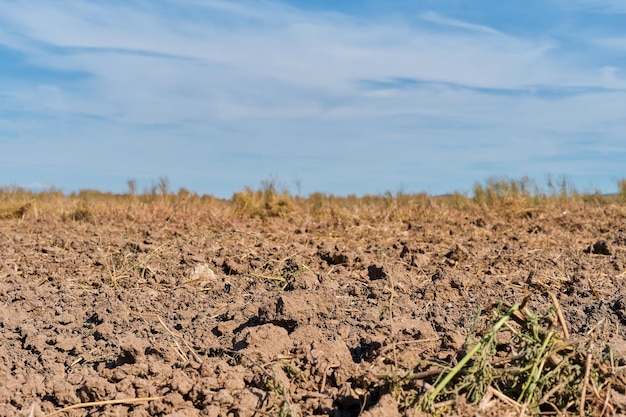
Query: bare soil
207,312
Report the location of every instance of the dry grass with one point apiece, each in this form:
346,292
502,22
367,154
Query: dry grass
496,196
544,371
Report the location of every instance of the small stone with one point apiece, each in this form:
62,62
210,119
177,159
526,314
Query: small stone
202,272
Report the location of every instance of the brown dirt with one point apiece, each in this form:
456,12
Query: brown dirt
222,314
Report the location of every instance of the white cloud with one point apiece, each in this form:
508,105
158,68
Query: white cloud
279,82
613,42
446,21
296,68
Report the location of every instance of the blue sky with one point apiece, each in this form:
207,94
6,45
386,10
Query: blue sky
342,96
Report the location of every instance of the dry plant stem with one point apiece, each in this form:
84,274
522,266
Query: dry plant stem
268,277
504,398
324,376
179,351
606,400
101,403
472,352
583,392
415,377
391,335
364,404
181,338
408,342
549,394
174,210
522,411
559,314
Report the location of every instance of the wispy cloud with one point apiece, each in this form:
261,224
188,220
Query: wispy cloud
434,17
598,6
616,43
189,84
294,52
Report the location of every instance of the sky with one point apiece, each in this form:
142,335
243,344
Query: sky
340,97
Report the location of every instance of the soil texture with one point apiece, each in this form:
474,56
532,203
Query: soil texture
169,310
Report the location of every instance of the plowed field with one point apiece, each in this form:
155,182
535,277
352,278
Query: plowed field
199,307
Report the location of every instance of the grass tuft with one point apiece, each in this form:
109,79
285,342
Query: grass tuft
543,371
513,198
267,201
621,187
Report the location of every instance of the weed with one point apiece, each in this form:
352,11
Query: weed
621,186
264,202
545,372
79,214
294,373
15,212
